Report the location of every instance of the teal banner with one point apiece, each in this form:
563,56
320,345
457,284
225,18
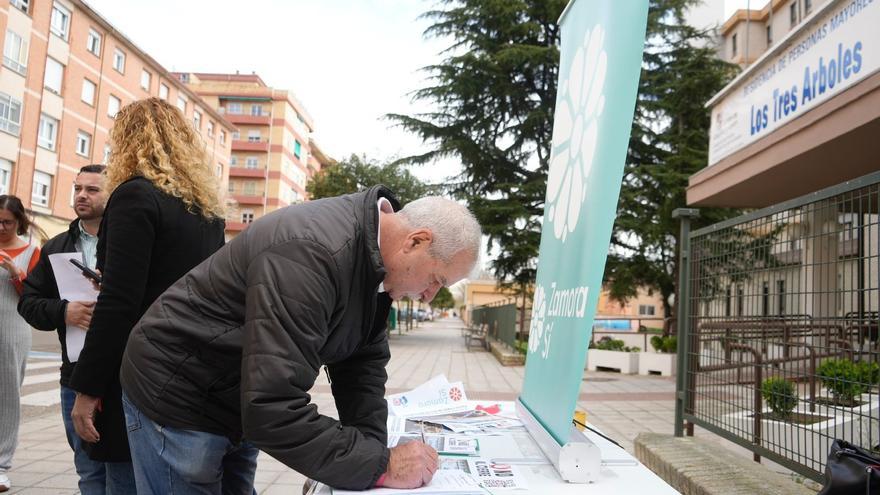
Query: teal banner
601,55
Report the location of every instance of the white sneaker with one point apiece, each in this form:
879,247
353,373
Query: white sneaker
5,484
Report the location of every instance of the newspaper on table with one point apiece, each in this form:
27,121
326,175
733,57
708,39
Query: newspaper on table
473,420
443,444
488,473
451,482
72,286
436,396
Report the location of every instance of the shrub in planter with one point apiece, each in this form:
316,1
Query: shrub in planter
844,379
609,344
869,372
780,396
664,344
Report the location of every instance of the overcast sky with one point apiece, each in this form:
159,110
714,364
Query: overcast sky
348,61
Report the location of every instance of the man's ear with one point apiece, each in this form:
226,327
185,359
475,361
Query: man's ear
418,239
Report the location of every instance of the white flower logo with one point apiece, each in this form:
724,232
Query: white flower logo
536,327
575,132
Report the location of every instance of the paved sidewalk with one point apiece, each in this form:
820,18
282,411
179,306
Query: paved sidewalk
620,405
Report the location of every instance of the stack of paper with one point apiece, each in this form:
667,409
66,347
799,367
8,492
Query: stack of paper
436,396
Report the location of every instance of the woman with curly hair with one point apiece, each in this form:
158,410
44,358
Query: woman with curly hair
164,216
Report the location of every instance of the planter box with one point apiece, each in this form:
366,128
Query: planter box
625,362
657,363
812,442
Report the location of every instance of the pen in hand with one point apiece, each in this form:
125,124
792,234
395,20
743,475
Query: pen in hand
422,430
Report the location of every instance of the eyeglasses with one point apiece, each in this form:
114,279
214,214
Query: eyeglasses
8,223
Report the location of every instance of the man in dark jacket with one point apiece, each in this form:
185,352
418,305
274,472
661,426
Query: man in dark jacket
41,306
225,357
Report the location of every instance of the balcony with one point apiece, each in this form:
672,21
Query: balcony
236,226
237,118
247,172
240,145
247,199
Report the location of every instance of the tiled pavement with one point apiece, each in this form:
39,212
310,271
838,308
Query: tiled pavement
620,405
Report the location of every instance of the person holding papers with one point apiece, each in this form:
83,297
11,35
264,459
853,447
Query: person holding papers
17,258
43,307
227,355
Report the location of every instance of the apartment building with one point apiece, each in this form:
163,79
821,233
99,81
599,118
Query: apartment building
66,72
273,154
802,116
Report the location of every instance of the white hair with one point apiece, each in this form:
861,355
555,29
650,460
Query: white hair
454,227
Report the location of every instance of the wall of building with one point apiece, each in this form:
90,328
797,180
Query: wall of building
89,53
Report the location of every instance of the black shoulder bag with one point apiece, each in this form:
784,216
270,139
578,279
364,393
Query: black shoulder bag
851,470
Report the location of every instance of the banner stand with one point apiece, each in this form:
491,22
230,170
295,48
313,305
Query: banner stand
578,461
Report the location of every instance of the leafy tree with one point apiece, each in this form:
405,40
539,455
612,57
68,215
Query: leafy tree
358,173
493,98
443,299
668,143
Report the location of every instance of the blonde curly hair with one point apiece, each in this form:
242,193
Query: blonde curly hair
152,139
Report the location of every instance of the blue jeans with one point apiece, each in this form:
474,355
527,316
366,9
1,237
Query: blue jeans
170,460
95,477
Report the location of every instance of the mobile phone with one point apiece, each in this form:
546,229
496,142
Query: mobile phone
88,272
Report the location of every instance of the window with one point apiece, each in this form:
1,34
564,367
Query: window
42,186
222,137
113,105
808,6
184,78
83,143
740,300
119,60
146,77
53,76
15,53
247,216
780,296
88,92
5,175
93,43
48,132
256,110
251,162
60,22
765,299
297,149
792,14
197,120
20,4
181,104
769,35
254,136
10,114
163,91
233,161
219,170
733,45
233,108
106,154
231,187
236,135
646,310
250,188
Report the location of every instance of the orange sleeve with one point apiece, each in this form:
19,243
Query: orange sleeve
35,258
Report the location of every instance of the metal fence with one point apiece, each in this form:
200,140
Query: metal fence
501,320
780,346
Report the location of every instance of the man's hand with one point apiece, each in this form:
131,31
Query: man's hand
83,415
79,313
411,465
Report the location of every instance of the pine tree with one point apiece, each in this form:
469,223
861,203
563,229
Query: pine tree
668,143
359,172
493,98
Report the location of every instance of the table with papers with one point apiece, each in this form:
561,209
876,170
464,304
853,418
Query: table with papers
501,455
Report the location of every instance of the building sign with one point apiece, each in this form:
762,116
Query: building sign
601,55
829,56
